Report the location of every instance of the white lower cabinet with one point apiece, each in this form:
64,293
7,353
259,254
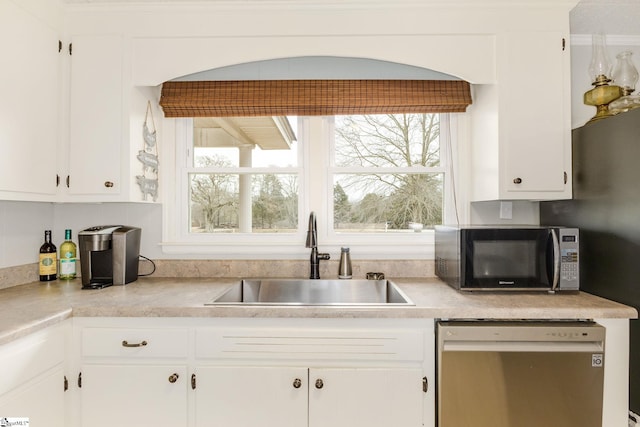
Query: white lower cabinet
133,376
371,397
40,400
32,378
314,373
134,395
249,396
255,372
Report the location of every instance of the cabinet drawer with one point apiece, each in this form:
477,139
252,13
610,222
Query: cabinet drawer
311,344
134,343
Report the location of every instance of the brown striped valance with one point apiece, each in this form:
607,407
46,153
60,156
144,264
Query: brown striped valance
312,97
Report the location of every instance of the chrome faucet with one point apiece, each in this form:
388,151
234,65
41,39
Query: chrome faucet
312,242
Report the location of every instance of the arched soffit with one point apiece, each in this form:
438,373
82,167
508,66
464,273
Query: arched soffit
318,68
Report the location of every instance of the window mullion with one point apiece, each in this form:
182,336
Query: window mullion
316,172
382,170
185,159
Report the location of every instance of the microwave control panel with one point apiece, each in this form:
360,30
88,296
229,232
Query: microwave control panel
569,259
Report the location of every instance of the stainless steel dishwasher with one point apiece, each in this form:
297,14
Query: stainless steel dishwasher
520,374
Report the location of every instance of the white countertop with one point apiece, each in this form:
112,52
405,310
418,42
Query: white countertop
28,308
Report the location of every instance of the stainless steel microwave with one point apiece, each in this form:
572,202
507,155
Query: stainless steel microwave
499,258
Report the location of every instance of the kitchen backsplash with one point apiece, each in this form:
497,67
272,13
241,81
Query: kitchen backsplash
286,268
13,276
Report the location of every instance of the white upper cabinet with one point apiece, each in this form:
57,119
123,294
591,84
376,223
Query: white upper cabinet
511,53
106,125
521,131
96,118
29,105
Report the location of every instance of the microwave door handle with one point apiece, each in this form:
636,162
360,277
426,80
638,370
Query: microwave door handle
556,260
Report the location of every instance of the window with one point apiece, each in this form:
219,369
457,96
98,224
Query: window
377,183
387,174
243,176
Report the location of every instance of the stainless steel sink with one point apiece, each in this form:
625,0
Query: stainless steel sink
313,292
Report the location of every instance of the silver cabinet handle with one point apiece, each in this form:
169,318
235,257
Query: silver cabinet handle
125,343
319,384
173,378
297,383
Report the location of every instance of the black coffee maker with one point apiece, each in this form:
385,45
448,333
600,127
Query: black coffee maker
109,255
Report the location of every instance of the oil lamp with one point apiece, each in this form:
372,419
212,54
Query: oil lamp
600,71
625,75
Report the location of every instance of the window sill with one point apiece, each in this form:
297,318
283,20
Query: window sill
269,250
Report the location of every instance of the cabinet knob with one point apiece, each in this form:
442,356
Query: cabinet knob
297,383
173,378
108,184
517,181
319,384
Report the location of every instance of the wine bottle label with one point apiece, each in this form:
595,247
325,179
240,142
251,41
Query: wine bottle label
67,266
48,264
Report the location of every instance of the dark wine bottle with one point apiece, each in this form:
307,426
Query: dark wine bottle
48,264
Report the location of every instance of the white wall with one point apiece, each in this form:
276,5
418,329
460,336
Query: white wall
22,226
83,215
523,212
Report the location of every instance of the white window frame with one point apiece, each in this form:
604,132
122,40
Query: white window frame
315,136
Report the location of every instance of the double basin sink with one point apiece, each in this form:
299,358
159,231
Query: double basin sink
313,292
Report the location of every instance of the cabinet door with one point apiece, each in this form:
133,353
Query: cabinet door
29,84
244,396
96,115
41,400
535,115
133,395
370,397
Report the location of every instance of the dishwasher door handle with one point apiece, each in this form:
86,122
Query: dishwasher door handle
531,346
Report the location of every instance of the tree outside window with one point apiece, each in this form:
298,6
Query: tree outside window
369,201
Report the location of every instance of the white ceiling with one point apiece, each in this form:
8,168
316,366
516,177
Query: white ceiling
611,17
270,133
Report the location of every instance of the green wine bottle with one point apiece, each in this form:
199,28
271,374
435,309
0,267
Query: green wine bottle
68,251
